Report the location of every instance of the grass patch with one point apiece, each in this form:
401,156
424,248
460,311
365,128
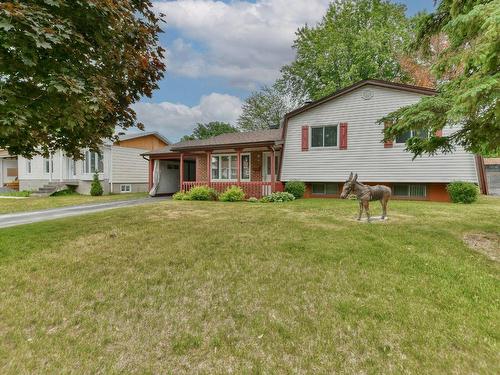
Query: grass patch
22,193
65,198
213,287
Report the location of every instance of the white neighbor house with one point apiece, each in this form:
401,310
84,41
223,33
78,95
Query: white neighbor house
121,169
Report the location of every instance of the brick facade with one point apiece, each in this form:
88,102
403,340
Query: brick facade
201,167
256,165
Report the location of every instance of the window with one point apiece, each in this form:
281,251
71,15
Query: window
48,165
412,133
225,167
93,163
324,136
125,188
410,190
276,165
324,188
28,166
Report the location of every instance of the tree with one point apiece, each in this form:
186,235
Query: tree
210,129
264,109
356,40
96,187
69,71
468,82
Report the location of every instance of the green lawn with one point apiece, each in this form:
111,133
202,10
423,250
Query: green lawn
205,287
8,205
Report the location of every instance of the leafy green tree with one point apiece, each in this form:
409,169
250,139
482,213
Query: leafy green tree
69,71
265,109
468,77
356,40
210,129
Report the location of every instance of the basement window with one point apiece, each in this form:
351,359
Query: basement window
410,190
325,188
125,188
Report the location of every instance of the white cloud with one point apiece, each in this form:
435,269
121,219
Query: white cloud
244,42
175,120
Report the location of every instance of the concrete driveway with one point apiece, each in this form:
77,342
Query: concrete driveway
10,220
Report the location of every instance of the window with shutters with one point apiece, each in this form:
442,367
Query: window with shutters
402,138
324,136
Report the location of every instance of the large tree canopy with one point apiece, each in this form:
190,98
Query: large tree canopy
468,77
210,129
69,71
265,109
356,40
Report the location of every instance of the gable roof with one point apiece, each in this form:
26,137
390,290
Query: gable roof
240,139
357,85
126,137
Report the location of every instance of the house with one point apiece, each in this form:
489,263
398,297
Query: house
120,166
319,144
492,171
8,170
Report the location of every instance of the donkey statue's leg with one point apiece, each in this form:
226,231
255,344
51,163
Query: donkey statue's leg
366,206
360,210
383,201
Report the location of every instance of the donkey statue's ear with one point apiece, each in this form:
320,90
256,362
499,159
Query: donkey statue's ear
350,177
355,177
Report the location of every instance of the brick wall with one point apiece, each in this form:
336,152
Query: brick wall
256,165
201,168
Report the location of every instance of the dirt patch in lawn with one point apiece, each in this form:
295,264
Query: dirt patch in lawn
487,244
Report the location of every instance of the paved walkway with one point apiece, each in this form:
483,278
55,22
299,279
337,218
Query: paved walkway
10,220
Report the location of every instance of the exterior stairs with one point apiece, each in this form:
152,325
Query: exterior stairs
49,189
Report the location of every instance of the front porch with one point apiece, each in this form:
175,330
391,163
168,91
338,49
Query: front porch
254,170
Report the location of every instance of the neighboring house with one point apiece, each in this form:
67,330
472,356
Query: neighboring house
321,143
120,167
8,169
492,170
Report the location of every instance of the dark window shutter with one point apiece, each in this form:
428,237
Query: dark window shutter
343,135
388,143
305,138
439,133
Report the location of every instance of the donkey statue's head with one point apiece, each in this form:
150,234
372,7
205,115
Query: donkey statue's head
349,186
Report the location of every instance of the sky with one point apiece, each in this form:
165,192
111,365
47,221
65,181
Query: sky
219,52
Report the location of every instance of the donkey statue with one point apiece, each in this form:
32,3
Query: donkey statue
365,194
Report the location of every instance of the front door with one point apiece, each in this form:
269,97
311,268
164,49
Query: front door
266,171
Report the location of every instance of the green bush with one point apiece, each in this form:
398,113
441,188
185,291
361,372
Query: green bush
96,187
232,194
296,188
202,193
278,197
180,196
462,192
69,191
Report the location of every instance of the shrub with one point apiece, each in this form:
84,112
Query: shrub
96,187
278,197
232,194
69,191
252,200
462,192
296,188
180,196
202,193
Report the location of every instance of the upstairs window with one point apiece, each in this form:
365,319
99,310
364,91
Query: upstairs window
402,138
324,136
93,162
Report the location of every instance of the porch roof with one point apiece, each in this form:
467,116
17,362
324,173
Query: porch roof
229,140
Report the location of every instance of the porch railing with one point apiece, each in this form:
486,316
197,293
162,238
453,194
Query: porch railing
257,189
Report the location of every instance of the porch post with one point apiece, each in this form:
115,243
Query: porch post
273,170
181,171
209,163
151,166
238,172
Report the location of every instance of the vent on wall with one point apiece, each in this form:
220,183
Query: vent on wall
367,94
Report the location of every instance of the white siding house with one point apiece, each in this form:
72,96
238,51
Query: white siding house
355,111
120,169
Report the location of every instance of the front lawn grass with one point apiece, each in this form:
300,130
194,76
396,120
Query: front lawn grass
212,287
8,206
